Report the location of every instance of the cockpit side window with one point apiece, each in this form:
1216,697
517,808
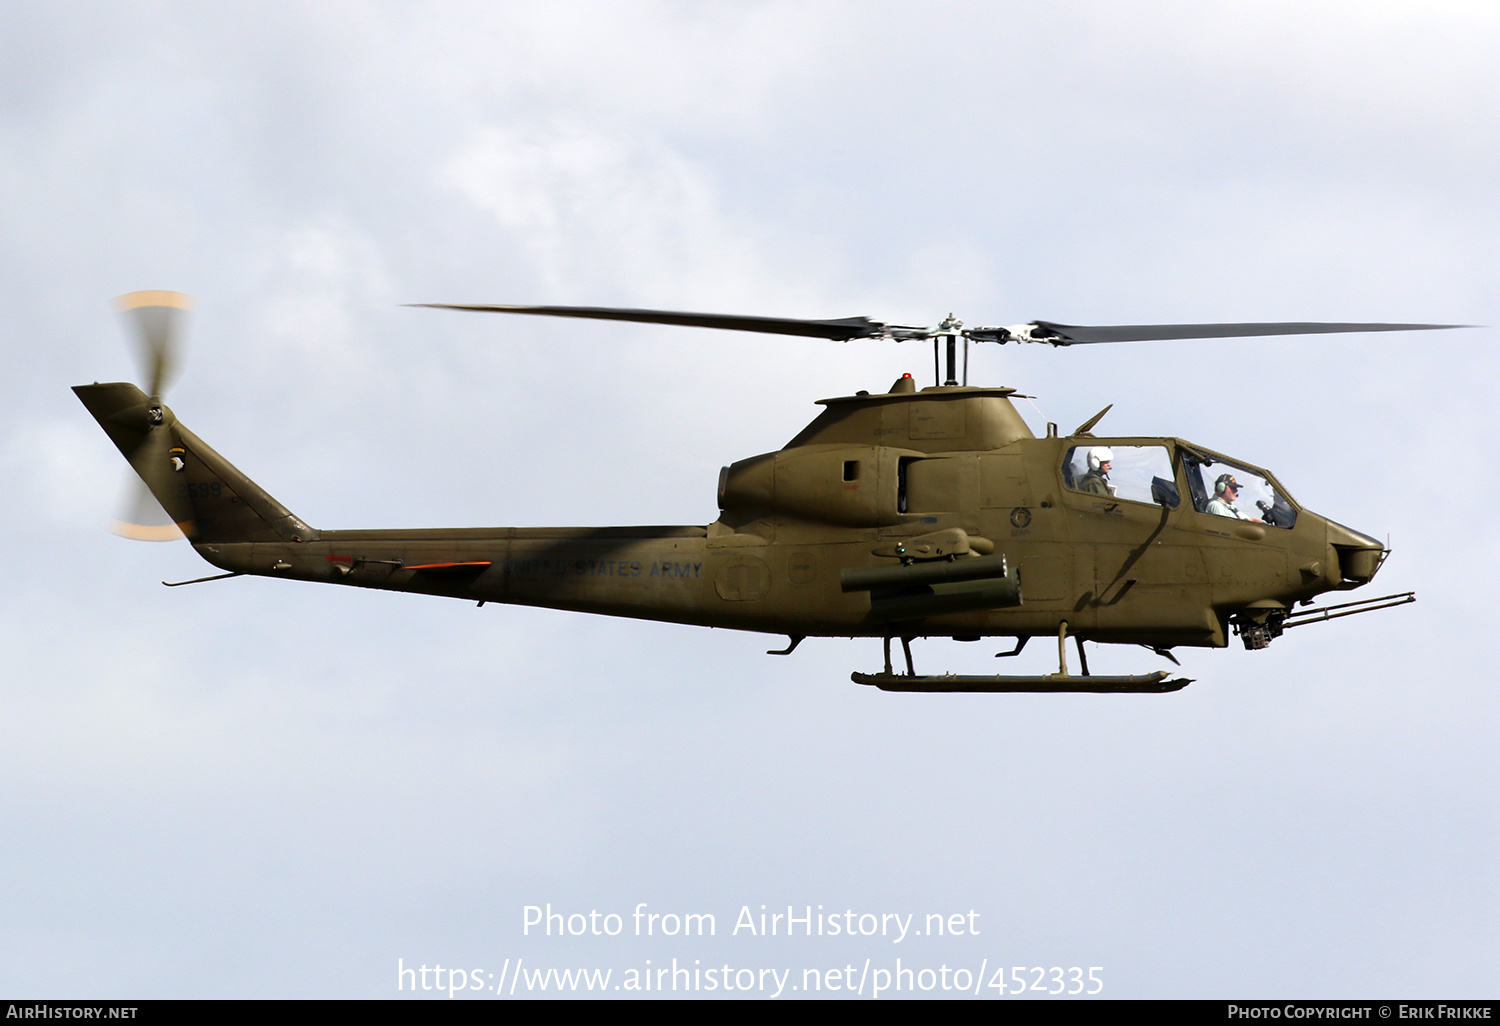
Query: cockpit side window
1225,489
1139,473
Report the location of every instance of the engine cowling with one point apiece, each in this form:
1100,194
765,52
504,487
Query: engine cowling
854,486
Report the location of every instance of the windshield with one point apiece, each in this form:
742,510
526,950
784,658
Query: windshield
1224,488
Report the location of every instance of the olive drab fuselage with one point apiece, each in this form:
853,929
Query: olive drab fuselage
916,482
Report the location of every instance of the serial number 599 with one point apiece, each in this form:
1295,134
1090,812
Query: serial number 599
1049,981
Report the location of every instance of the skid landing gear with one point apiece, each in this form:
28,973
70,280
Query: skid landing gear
1146,684
911,671
1061,682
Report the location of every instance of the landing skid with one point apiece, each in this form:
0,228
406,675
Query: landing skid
1051,683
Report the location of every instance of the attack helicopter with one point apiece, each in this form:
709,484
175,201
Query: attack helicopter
913,512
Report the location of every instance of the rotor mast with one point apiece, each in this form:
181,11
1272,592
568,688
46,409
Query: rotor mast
948,333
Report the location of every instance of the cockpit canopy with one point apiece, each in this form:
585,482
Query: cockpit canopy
1140,472
1229,489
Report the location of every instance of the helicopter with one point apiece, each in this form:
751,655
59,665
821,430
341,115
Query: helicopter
913,512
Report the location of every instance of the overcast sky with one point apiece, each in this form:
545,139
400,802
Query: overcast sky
254,788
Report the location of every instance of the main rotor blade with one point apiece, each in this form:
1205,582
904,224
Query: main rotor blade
158,320
1077,334
836,330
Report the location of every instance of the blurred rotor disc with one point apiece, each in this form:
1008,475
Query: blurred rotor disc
158,317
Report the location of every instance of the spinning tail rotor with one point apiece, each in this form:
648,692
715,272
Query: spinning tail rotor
154,510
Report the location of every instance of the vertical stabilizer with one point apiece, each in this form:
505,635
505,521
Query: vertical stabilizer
203,493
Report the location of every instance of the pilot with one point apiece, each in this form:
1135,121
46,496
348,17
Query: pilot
1097,479
1226,491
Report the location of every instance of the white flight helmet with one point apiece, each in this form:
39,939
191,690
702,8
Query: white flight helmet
1098,456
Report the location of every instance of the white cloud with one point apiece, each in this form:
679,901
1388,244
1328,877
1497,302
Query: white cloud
602,213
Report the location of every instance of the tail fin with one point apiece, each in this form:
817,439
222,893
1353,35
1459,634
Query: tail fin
202,491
